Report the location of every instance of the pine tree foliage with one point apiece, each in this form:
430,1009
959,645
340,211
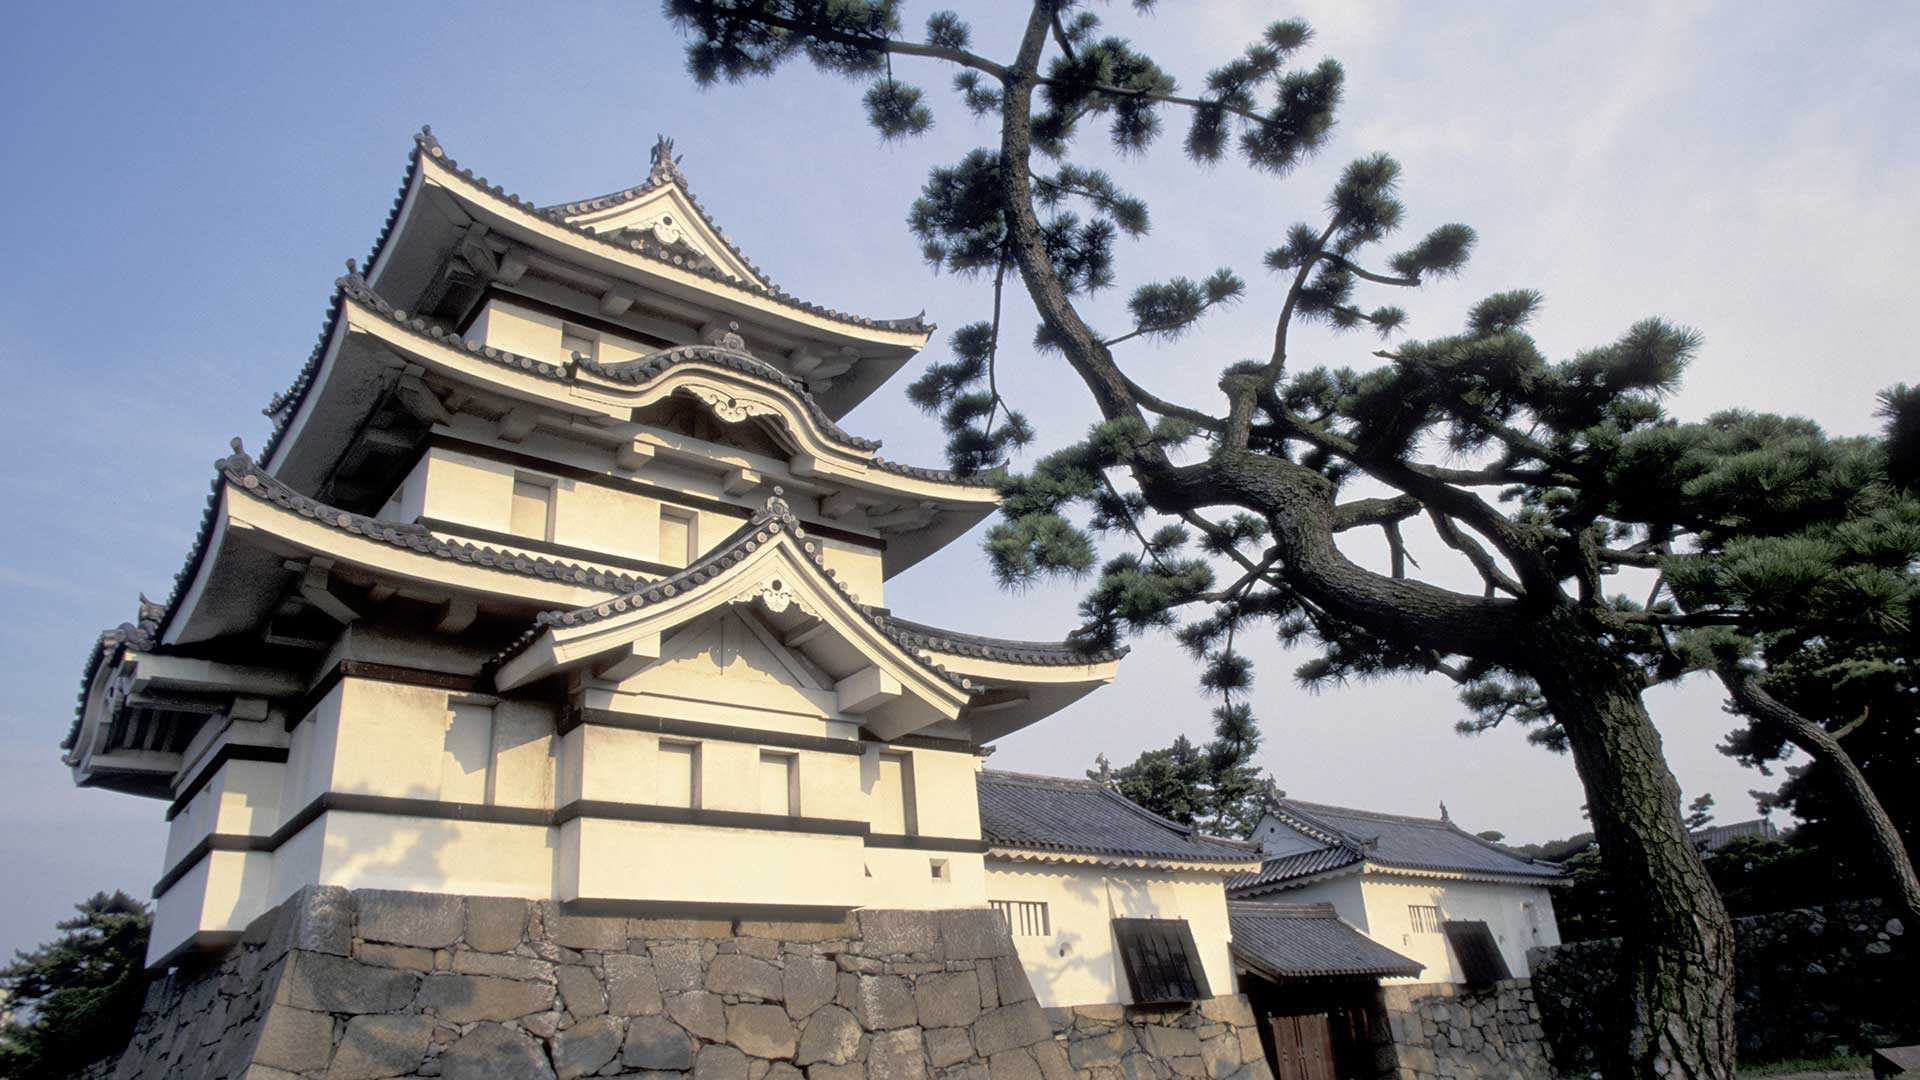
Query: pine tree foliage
1216,787
1545,477
75,999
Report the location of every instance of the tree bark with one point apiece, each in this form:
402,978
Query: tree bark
1886,848
1678,942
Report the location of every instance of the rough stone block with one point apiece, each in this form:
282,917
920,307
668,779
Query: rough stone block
492,1052
885,932
720,1063
584,1048
505,967
1188,1066
948,1046
463,999
1011,1026
632,987
1052,1059
809,931
989,986
731,973
763,1031
1221,1054
655,1042
679,929
376,1047
975,934
807,982
1013,1065
496,924
336,984
702,1013
580,991
1012,979
677,965
1250,1048
1106,1014
896,1055
1105,1049
1170,1042
394,956
824,1071
423,920
295,1039
831,1035
883,1002
602,932
1232,1009
948,1000
318,919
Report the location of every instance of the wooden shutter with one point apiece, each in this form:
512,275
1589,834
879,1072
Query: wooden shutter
1160,959
1477,952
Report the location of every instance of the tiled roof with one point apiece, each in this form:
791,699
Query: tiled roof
240,471
664,170
953,642
1308,941
1052,813
647,368
763,527
651,249
1388,840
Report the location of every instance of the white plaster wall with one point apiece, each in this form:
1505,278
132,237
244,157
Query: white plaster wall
903,878
243,798
645,860
222,894
1520,916
1077,963
1277,838
480,858
506,325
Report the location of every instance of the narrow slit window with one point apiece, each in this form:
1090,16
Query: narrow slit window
679,536
779,784
893,811
1025,918
1423,918
679,783
532,514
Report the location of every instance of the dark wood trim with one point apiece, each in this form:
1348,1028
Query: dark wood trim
921,742
390,673
927,843
203,944
722,819
474,532
700,729
228,752
547,307
670,496
208,844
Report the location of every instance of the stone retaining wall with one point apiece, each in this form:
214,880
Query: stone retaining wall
1809,983
1444,1030
369,985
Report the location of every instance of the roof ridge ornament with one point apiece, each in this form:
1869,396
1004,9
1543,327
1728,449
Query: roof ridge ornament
776,505
665,166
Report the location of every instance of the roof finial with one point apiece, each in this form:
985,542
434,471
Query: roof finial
1444,816
237,447
732,339
776,504
665,165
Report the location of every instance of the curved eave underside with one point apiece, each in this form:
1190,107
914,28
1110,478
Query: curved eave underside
369,343
1223,868
412,249
256,525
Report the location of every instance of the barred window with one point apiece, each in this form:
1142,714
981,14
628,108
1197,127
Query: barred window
1025,918
1424,918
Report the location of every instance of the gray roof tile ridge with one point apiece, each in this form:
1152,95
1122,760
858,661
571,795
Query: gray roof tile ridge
663,170
765,526
1283,909
1056,653
1290,809
659,253
1436,824
645,368
1188,832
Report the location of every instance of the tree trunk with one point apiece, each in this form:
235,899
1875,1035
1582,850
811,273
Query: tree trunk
1678,940
1887,849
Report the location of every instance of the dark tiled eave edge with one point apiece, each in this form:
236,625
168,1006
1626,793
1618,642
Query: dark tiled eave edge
353,287
1246,851
665,172
763,527
1044,847
426,143
239,470
1303,815
1042,653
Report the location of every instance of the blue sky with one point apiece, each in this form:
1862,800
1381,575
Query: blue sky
185,181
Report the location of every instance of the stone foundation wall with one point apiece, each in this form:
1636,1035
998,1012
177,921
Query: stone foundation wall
1444,1030
368,985
1808,983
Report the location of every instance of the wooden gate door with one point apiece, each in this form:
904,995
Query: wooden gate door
1303,1047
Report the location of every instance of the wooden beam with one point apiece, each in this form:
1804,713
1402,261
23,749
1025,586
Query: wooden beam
615,302
866,690
316,589
793,639
634,456
740,480
518,424
456,615
629,660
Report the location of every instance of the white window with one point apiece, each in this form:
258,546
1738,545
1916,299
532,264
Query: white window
779,784
679,783
679,535
466,754
573,339
1424,918
893,811
532,515
1025,918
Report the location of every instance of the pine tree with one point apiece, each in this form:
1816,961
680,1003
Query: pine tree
1545,477
1216,788
76,999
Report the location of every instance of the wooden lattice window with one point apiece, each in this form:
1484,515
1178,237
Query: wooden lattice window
1025,918
1423,918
